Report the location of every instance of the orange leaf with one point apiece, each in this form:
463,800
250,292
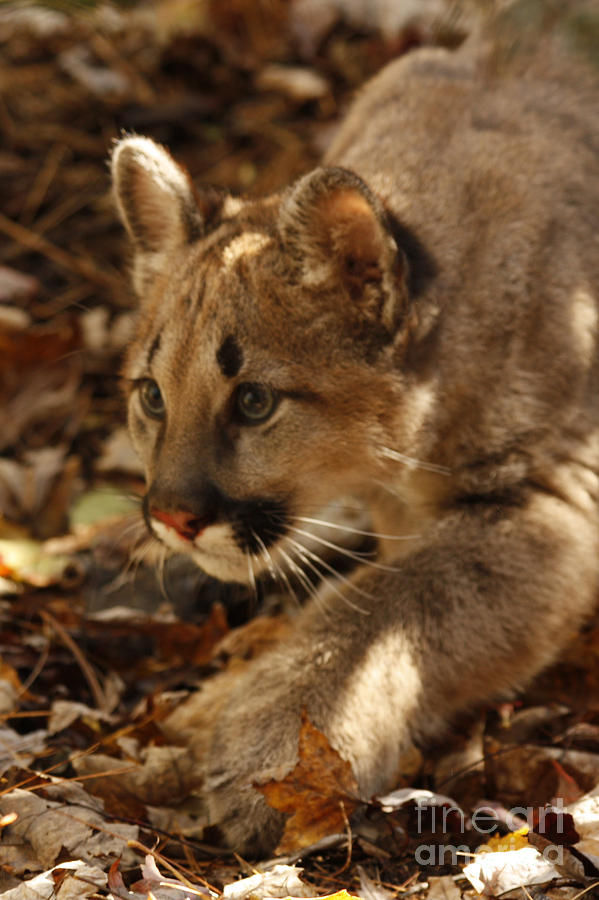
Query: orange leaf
339,895
319,794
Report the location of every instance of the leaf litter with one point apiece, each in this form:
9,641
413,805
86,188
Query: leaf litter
100,639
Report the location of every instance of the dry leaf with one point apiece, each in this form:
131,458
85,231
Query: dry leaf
280,881
67,881
319,794
443,888
19,750
496,873
158,775
27,561
65,819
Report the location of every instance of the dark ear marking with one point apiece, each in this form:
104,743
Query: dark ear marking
422,268
154,347
229,357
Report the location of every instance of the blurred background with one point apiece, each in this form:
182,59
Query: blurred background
247,94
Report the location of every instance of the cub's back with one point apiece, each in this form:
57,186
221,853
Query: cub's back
497,177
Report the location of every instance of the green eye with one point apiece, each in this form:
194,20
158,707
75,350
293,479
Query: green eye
255,403
151,399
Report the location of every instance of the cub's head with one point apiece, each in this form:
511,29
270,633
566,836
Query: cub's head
263,377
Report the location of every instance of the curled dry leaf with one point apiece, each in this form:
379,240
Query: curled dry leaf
319,794
67,881
20,749
495,873
163,887
64,819
160,775
280,881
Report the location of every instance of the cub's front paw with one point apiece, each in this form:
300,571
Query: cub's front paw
243,730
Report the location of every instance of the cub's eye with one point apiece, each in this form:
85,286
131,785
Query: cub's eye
255,403
151,398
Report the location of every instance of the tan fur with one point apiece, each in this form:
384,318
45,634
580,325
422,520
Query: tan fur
428,320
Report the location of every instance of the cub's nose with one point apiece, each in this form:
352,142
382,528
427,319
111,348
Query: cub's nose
185,523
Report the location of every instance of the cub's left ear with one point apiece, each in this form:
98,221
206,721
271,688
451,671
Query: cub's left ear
335,229
154,195
156,201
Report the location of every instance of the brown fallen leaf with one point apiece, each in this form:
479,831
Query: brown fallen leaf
60,820
319,794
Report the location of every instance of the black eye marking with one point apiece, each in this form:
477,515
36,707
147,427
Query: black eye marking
154,347
229,357
151,398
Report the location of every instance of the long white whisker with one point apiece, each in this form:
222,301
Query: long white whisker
301,551
351,530
412,463
331,569
312,590
286,580
161,580
252,574
357,557
388,488
308,586
137,557
278,574
140,551
137,524
266,556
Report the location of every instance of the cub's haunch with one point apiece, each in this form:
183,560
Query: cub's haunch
413,325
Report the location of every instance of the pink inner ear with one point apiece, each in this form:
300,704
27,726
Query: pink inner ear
355,232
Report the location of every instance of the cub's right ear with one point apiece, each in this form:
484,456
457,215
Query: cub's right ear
156,202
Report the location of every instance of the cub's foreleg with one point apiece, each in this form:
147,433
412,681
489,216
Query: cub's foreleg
475,610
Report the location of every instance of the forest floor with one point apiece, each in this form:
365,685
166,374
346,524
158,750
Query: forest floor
95,646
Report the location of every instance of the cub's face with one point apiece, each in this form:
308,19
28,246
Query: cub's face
261,380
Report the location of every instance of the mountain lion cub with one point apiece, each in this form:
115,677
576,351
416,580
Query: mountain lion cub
413,324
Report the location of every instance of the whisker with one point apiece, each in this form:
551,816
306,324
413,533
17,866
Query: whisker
278,574
312,589
357,557
161,570
308,586
136,530
137,556
412,463
332,570
352,530
265,555
302,551
252,574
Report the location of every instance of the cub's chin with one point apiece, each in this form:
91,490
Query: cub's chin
216,552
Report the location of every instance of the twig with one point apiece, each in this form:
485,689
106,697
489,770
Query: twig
82,267
88,672
586,890
42,182
350,842
177,872
37,669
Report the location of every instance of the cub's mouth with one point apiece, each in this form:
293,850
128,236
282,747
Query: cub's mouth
229,539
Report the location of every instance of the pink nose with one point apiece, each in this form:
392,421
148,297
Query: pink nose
184,523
